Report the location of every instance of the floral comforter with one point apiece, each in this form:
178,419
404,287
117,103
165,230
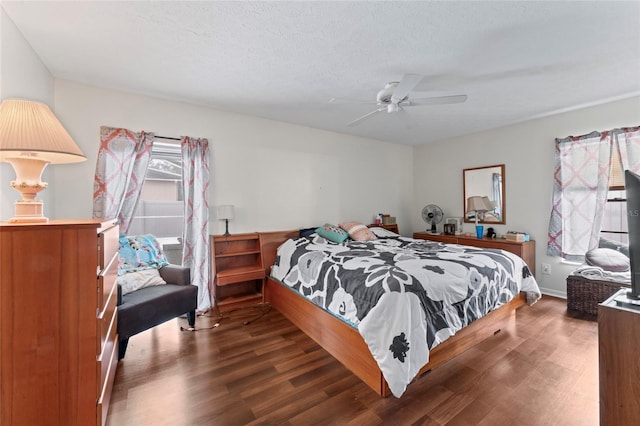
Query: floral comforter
405,296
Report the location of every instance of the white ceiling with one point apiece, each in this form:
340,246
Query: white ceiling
286,60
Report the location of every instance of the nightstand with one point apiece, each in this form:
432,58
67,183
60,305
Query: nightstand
237,270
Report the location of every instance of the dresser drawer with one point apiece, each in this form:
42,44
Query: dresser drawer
109,364
104,356
107,282
447,239
108,244
104,321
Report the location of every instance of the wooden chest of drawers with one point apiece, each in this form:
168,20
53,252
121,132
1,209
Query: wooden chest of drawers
58,321
526,250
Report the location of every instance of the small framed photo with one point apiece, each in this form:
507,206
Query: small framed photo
449,228
457,221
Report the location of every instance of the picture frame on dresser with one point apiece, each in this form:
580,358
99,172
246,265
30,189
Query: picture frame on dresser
457,221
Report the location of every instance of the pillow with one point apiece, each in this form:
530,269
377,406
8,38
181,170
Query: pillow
306,232
138,253
132,281
616,245
383,233
332,233
607,259
358,231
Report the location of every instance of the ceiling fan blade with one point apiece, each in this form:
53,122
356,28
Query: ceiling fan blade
350,101
367,115
406,85
454,99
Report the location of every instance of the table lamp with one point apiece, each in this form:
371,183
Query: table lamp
477,205
225,213
30,138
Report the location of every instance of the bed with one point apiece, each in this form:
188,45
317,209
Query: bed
347,298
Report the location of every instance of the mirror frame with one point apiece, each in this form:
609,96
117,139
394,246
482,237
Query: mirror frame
466,176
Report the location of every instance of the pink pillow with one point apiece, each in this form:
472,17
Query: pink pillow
358,232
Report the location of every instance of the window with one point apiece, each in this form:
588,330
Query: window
160,208
587,206
614,220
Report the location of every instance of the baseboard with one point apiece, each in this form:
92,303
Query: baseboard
554,293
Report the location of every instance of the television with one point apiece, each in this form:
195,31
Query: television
632,186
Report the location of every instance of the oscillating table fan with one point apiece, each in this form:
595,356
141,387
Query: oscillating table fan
433,215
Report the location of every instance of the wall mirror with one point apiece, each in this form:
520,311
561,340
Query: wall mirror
488,183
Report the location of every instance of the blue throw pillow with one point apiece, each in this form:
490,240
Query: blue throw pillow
139,253
332,233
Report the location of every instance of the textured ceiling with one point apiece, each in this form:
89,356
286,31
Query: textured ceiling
286,60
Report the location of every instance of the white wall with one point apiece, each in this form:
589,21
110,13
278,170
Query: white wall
527,150
277,175
23,76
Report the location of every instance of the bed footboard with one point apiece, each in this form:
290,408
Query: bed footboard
345,343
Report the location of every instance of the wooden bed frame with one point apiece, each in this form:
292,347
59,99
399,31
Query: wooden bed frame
346,344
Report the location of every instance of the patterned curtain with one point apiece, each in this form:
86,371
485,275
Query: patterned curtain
580,188
628,141
122,164
195,181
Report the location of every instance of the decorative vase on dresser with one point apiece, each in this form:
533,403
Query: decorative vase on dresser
58,321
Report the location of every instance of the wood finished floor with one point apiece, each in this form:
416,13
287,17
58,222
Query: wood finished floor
542,370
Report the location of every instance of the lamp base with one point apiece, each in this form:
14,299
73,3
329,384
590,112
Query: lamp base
28,212
28,183
226,232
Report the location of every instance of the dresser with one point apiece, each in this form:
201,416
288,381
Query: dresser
618,349
58,321
526,250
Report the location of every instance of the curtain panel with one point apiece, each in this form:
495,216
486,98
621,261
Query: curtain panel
121,167
195,181
581,186
628,142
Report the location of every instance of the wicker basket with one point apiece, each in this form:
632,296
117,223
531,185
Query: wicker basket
584,295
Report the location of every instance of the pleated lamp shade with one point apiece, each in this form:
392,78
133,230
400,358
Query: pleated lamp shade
30,138
476,204
29,128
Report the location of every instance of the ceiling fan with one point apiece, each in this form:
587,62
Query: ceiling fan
394,97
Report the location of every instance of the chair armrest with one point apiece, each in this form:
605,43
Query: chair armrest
174,274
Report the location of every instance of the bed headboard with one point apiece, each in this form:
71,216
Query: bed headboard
269,243
393,227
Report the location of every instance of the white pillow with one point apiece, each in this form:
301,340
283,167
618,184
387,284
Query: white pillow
132,281
607,259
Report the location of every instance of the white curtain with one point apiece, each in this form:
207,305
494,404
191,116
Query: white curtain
628,141
581,186
121,167
195,181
